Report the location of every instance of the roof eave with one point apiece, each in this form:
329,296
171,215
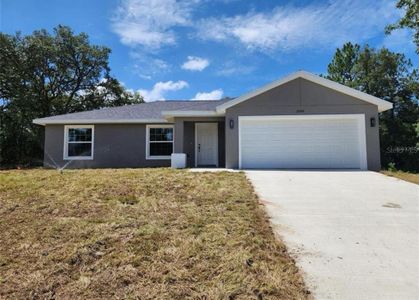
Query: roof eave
44,122
382,108
191,113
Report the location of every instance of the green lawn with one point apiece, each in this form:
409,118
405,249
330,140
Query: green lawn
138,234
411,177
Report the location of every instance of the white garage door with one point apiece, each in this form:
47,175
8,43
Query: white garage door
307,142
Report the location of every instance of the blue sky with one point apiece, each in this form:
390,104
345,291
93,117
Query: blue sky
203,49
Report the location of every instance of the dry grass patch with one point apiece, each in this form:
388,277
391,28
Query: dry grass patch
411,177
139,234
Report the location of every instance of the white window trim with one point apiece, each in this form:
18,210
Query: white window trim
147,142
65,154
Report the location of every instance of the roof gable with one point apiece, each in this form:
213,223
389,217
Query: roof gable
382,104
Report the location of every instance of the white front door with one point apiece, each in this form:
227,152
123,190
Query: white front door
206,144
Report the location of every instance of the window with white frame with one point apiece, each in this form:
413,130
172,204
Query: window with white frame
159,141
78,141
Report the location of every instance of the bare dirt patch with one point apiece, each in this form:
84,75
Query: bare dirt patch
411,177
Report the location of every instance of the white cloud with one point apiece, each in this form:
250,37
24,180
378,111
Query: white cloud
147,66
213,95
231,68
152,24
195,63
400,40
145,76
148,22
161,88
312,26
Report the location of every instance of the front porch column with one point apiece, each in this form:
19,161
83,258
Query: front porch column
178,142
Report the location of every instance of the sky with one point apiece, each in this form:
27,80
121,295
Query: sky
210,49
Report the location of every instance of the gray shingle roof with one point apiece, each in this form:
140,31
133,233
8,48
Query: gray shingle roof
147,111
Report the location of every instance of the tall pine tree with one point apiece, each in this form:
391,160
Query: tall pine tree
392,77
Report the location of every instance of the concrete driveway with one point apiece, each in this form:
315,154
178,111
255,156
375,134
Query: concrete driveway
355,235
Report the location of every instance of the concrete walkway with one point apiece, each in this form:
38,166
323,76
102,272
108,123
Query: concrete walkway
212,170
355,235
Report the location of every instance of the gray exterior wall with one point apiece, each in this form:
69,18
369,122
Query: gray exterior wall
124,145
185,138
301,97
115,146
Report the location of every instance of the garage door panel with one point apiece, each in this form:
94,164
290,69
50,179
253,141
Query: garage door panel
301,143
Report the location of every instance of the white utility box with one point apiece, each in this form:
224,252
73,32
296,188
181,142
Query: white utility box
178,160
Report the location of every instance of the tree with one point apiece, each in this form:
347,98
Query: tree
46,74
341,69
409,20
392,77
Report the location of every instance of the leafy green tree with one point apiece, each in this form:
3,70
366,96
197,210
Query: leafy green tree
392,77
45,74
409,20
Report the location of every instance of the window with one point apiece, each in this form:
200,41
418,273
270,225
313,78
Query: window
159,141
78,142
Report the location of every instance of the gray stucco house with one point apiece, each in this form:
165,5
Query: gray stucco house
301,121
